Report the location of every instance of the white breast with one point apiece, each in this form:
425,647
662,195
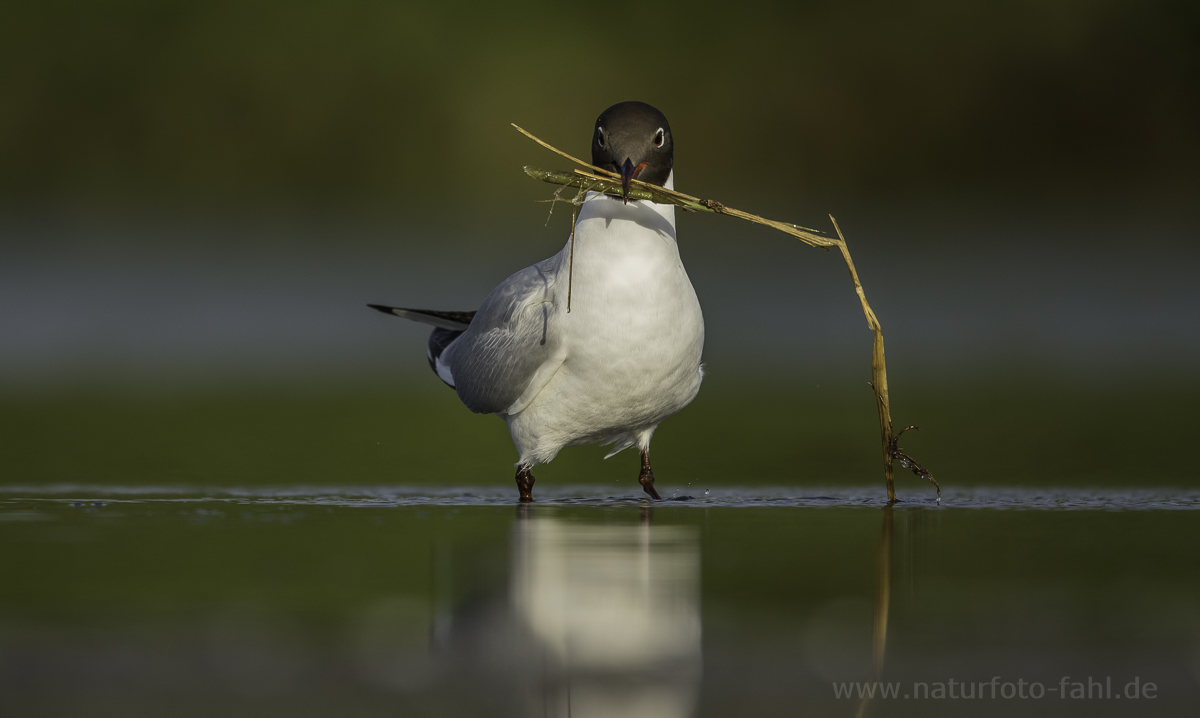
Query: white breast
633,337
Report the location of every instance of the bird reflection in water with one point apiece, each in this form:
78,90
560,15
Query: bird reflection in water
614,613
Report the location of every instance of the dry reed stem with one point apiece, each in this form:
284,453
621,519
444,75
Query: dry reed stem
601,180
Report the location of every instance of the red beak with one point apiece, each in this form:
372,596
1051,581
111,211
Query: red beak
629,172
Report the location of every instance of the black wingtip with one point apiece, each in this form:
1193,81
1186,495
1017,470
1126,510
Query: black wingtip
381,308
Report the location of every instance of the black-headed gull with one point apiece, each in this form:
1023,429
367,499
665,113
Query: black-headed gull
627,354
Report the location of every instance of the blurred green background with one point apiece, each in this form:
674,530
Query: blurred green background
814,106
198,198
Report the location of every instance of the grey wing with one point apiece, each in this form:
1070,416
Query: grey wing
511,344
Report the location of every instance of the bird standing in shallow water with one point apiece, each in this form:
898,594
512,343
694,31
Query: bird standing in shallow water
627,354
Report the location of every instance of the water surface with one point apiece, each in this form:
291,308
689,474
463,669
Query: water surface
311,600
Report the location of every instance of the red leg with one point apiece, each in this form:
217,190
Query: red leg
646,478
525,483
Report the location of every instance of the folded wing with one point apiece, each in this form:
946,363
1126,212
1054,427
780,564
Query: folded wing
511,348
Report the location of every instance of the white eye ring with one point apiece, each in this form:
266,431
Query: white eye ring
659,137
600,136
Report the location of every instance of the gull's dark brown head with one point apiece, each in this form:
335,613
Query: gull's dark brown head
634,140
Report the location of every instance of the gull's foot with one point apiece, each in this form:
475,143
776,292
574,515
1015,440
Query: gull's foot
646,478
525,483
647,481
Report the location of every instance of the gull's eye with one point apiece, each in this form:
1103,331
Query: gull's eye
600,137
659,137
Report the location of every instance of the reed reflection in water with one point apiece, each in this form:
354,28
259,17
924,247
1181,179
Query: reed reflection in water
614,612
913,530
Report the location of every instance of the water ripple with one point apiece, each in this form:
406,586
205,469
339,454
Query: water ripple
1109,499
